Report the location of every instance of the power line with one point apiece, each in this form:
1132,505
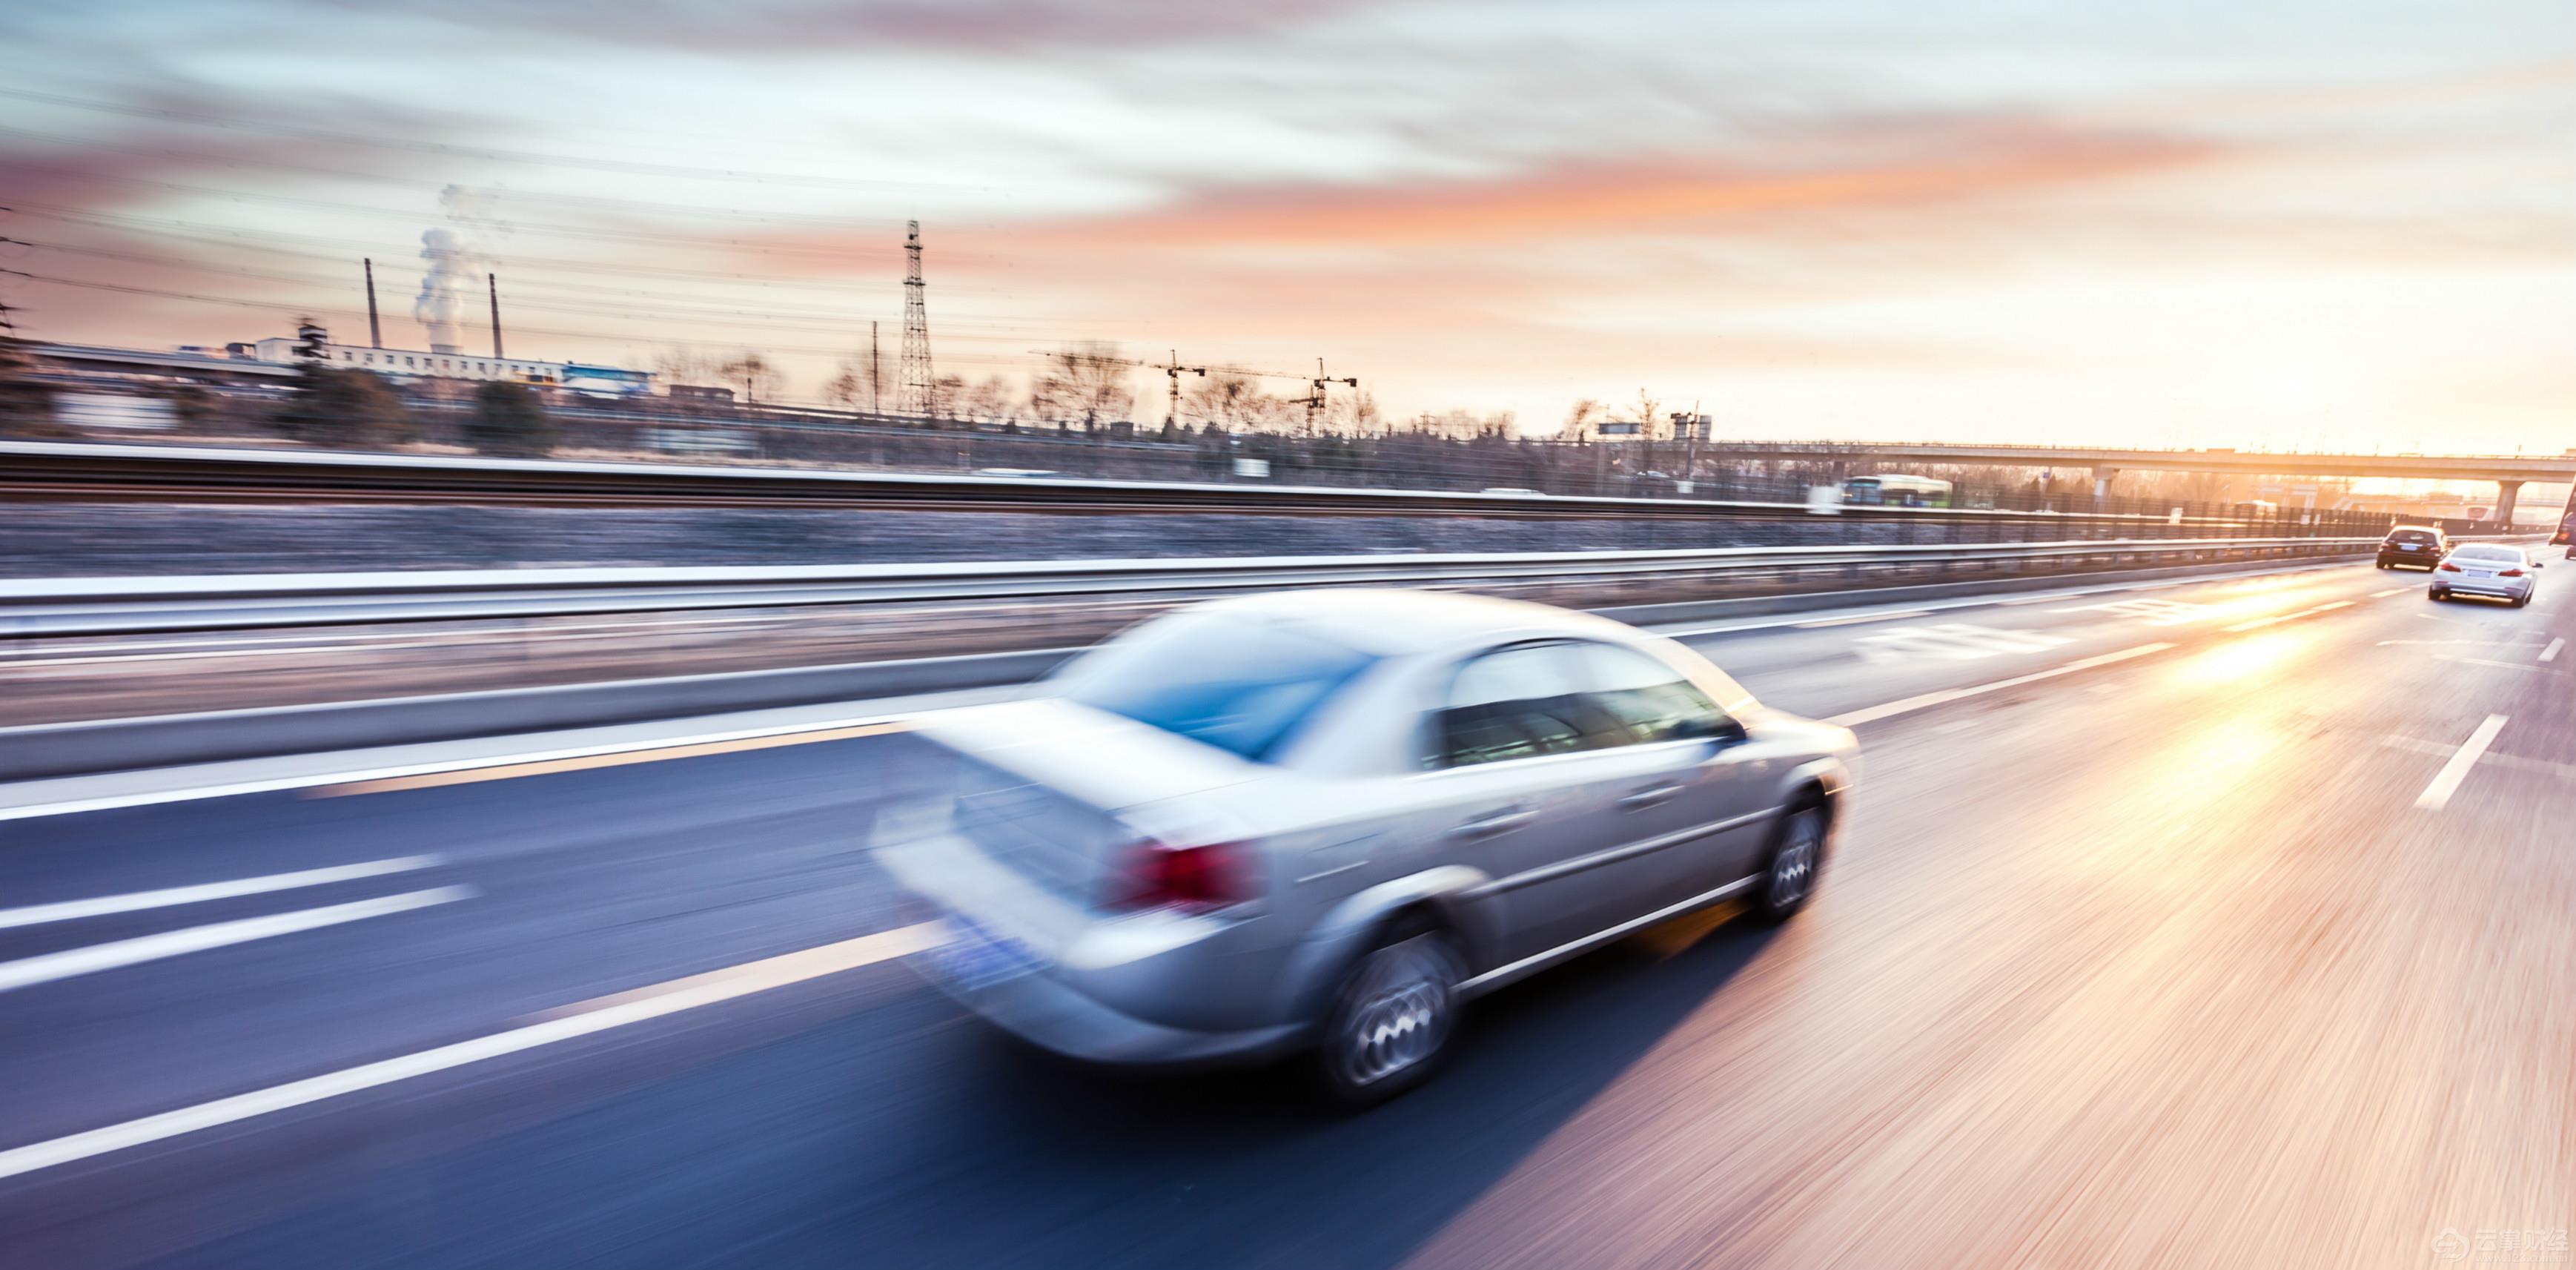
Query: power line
486,153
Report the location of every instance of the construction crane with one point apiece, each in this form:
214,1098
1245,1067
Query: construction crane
1174,368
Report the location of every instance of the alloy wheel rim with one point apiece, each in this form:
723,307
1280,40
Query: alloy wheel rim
1793,870
1402,1013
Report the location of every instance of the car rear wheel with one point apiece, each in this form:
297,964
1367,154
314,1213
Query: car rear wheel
2437,595
1796,863
1392,1017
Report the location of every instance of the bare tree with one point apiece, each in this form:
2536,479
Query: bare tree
846,385
1578,420
1650,415
1085,383
756,376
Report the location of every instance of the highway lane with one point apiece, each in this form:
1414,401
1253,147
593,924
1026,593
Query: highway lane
2159,958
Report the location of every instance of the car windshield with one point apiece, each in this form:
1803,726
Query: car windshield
1241,686
2492,555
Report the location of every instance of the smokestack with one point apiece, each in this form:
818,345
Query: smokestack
375,332
493,282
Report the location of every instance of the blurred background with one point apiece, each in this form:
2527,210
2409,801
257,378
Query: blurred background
487,491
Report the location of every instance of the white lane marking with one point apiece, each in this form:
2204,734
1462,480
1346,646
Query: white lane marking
2551,653
650,1003
1951,641
1872,713
2482,661
2447,781
2153,611
34,811
2261,622
2382,595
68,910
128,952
2510,762
1857,618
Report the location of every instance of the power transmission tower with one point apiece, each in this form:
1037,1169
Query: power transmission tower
876,405
917,383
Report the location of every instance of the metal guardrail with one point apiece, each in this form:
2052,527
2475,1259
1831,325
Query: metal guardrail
114,606
89,472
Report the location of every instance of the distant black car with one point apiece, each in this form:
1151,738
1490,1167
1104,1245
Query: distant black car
2413,545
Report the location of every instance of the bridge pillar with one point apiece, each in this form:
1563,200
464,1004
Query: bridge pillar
2102,478
2506,493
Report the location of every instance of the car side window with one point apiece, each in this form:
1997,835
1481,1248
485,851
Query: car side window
1649,698
1518,702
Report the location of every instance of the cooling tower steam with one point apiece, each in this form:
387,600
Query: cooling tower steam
456,265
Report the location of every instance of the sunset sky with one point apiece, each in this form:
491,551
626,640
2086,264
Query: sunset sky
2250,222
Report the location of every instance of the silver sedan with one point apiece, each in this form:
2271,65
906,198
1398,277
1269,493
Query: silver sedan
2489,569
1318,823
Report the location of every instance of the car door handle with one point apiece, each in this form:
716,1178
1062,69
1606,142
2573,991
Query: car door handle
1487,826
1651,795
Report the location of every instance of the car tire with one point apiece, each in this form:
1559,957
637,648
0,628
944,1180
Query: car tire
2437,595
1393,1016
2520,601
1794,865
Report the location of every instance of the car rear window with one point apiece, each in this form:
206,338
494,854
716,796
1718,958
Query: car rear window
2410,535
1241,686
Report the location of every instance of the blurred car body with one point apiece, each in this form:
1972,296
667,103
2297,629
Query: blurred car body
1322,820
2418,545
2490,569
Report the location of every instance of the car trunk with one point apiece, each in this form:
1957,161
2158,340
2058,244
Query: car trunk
1038,785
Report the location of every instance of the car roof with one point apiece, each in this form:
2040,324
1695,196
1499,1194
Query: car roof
1391,622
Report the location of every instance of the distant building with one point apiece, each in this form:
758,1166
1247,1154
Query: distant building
402,363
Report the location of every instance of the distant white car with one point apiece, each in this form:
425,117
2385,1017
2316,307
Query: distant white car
2490,569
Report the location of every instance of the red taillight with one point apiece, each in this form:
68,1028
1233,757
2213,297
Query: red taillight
2450,568
2510,573
1195,879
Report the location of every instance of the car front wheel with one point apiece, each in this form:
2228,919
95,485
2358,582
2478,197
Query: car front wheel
1796,863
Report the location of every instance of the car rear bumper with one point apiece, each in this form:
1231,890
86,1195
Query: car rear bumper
2493,588
1054,1015
996,958
2422,559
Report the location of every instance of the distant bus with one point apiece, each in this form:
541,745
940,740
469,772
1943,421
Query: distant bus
1896,491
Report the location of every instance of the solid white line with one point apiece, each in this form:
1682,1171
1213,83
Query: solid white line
156,797
1856,618
651,1003
1910,704
2551,653
2034,597
2447,781
2482,661
68,910
128,952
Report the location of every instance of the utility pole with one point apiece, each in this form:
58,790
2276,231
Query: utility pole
493,281
875,407
1690,465
918,385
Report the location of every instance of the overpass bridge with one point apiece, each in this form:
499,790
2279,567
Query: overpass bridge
2509,471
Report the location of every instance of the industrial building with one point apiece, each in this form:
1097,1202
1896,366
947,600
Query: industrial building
589,379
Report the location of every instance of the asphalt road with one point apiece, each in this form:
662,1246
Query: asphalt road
2197,941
